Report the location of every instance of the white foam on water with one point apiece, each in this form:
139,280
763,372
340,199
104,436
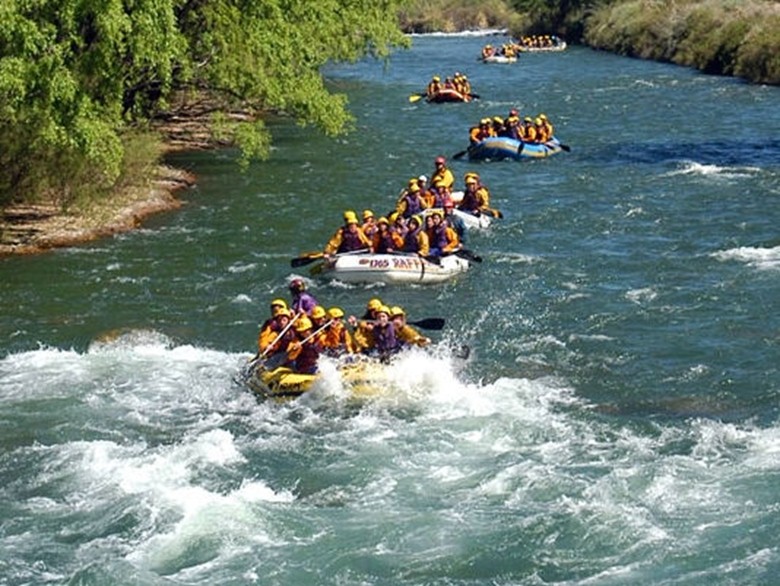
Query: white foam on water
422,469
767,259
713,171
642,296
472,33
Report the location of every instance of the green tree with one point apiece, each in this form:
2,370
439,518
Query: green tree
75,75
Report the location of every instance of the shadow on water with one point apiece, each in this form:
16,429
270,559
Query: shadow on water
765,152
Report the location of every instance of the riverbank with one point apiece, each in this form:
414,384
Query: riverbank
36,228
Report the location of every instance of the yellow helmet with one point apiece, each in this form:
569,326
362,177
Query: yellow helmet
367,214
485,121
383,220
374,304
498,119
318,312
302,324
279,303
414,188
416,218
335,312
395,310
543,116
383,309
350,217
393,217
436,78
538,121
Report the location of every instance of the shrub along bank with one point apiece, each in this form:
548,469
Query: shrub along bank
728,37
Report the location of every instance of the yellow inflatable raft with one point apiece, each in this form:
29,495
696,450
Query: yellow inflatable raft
363,378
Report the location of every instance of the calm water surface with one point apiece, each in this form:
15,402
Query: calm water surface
616,422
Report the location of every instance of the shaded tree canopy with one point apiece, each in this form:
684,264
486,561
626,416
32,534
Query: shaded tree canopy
75,74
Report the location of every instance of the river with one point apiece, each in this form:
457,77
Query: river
616,421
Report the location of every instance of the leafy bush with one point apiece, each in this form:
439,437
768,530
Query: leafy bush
712,40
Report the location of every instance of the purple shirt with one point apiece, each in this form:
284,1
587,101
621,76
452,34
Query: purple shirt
304,302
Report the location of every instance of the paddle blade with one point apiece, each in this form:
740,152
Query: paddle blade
460,155
566,148
468,255
429,323
306,259
415,97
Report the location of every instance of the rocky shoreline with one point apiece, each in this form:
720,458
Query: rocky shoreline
36,228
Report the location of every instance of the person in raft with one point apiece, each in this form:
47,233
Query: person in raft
304,350
442,172
337,340
302,301
271,327
348,238
405,334
383,342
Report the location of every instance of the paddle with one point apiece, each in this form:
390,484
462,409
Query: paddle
474,96
310,257
306,259
428,323
314,333
416,97
468,255
565,147
260,355
460,155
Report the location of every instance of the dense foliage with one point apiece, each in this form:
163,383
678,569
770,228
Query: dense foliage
563,17
76,75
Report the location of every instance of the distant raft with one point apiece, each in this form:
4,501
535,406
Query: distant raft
554,45
496,148
448,95
499,59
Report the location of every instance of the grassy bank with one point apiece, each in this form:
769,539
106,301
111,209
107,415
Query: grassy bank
727,37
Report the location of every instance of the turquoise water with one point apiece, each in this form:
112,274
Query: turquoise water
615,423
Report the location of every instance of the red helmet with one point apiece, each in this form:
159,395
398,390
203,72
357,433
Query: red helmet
440,160
297,285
